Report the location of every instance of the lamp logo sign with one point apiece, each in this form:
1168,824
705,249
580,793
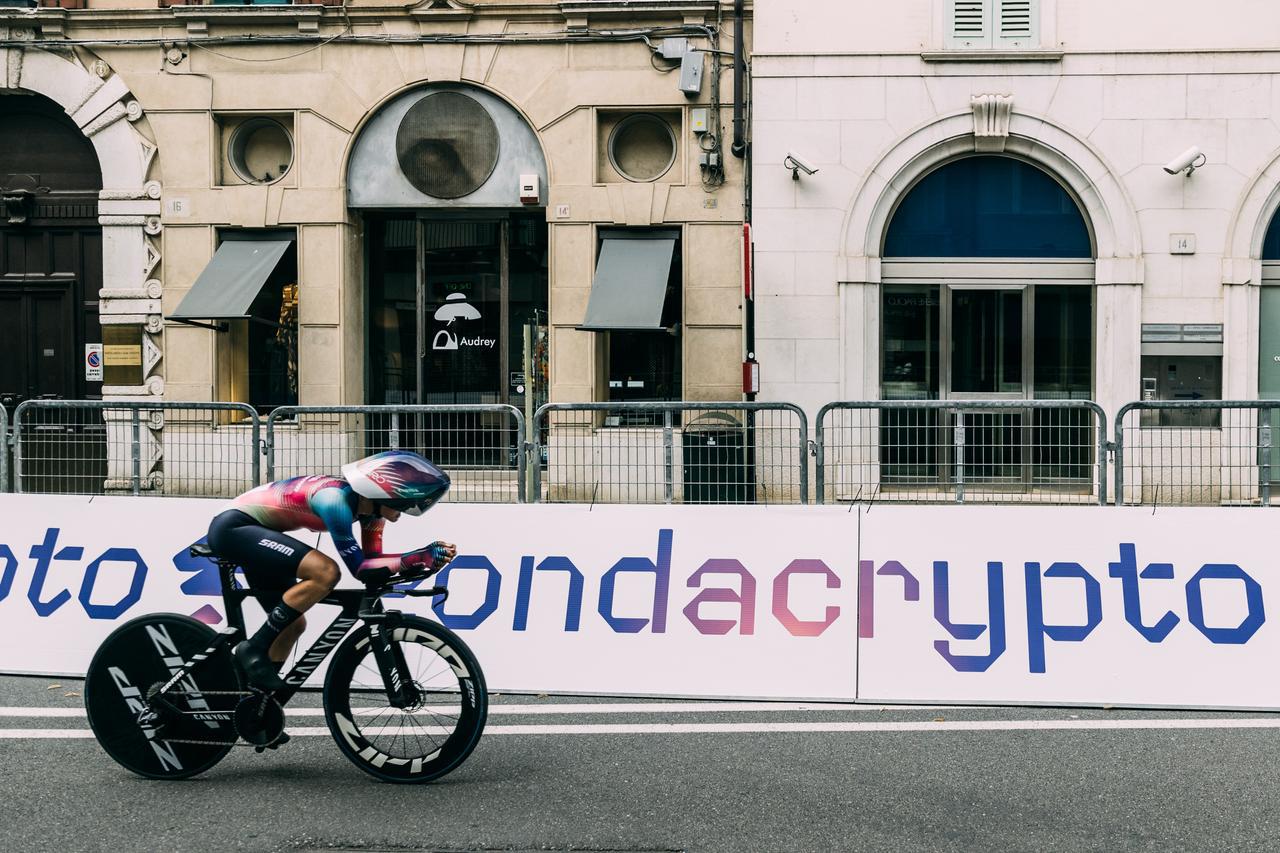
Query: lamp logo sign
455,309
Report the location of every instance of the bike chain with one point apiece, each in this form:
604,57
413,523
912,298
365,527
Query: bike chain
238,741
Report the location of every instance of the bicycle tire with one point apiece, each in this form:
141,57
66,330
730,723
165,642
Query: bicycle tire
454,710
139,655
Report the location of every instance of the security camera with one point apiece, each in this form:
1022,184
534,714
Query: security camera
797,164
1188,161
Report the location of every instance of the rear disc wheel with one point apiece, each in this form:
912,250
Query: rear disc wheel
134,661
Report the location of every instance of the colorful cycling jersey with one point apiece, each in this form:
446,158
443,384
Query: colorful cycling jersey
321,503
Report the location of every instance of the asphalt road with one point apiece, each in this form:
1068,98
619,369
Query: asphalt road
565,773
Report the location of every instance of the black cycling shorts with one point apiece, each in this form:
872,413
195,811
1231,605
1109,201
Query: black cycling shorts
270,559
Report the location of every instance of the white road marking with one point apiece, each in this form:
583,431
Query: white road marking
566,708
776,728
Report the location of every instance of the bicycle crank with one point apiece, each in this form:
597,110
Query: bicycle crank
259,719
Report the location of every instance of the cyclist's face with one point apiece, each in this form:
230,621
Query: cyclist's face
388,513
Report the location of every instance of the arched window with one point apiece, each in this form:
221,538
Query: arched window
985,295
1269,318
41,141
1271,243
987,207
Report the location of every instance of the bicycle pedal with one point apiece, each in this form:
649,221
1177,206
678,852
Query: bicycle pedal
275,744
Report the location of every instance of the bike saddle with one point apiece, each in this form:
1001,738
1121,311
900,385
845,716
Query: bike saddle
200,549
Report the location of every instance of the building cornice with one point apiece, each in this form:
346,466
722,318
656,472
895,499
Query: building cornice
57,23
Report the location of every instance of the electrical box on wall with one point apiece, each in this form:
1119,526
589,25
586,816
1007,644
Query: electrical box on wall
530,189
673,48
691,72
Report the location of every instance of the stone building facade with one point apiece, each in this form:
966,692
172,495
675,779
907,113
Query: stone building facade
995,171
361,203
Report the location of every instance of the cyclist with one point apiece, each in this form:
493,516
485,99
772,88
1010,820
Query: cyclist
291,576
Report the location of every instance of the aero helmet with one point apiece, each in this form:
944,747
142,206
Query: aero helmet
400,479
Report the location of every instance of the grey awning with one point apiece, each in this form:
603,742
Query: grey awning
231,281
631,283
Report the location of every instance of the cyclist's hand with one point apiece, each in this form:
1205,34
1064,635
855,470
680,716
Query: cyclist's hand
432,558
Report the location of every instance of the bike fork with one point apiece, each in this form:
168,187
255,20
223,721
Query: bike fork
391,663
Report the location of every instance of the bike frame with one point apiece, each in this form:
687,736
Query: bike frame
358,605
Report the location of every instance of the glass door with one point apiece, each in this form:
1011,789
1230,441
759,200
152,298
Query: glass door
988,359
457,317
987,346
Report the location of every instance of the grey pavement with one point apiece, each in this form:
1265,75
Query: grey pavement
1147,788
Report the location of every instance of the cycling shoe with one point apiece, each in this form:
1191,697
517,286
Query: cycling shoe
257,667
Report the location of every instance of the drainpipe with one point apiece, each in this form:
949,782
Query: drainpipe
739,146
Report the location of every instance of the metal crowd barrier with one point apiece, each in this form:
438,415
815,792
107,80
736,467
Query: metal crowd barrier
100,447
483,447
978,451
1206,452
678,452
1197,452
6,444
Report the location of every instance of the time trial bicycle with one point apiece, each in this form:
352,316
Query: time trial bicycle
404,698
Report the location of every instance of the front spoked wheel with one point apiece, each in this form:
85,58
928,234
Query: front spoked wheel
435,732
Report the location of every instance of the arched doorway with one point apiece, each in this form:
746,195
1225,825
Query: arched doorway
50,253
449,181
987,294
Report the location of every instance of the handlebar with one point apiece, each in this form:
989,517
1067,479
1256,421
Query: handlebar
425,593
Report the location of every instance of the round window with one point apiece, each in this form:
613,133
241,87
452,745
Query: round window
447,145
260,151
642,147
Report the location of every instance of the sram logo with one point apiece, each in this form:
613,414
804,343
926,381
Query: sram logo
276,546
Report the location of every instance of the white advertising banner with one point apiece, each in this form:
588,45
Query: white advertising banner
682,601
1090,605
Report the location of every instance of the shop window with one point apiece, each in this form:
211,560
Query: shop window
271,341
392,309
636,299
258,358
475,306
248,293
1063,342
909,342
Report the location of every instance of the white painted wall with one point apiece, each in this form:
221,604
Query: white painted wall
876,26
856,87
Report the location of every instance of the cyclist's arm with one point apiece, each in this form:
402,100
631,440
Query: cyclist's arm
371,535
332,507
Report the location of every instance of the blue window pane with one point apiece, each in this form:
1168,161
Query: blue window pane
988,207
1271,245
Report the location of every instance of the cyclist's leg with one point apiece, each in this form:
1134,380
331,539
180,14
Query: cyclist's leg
272,562
317,576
